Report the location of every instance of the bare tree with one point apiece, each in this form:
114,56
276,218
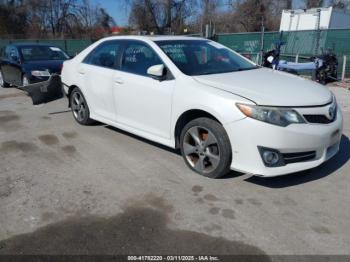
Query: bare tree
314,3
12,19
160,16
340,4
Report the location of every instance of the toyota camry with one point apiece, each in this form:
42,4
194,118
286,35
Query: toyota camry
220,109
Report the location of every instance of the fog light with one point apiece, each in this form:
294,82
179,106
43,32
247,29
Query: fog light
271,157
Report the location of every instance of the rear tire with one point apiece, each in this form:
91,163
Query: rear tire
2,81
206,148
80,108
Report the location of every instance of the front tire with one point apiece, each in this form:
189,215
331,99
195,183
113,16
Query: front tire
80,108
206,148
2,81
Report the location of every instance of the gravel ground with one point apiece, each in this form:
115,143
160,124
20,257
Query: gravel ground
69,189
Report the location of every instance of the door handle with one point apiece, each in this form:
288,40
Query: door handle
81,71
119,80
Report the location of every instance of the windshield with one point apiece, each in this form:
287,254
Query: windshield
39,53
203,57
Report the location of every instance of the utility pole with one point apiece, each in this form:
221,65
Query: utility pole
168,22
318,31
262,39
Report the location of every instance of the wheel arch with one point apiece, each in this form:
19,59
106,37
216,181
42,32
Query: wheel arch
188,116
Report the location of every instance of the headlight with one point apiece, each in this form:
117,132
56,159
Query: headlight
272,115
40,73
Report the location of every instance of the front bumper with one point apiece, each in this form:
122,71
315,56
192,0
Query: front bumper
35,79
45,91
248,134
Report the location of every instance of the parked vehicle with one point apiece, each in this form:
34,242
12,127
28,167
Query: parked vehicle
324,66
223,111
24,64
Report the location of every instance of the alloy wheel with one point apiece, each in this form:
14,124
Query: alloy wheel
201,149
78,106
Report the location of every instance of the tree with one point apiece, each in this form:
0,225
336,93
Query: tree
54,18
160,16
314,3
12,19
249,15
340,4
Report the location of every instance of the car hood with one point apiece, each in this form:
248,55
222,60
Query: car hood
53,66
268,87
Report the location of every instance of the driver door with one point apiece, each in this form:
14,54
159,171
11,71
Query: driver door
142,102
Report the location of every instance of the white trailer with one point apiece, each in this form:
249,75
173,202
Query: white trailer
314,19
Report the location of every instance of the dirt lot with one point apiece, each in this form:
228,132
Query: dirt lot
68,189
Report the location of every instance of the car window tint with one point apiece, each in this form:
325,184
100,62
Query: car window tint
14,54
104,55
41,53
138,57
203,57
176,53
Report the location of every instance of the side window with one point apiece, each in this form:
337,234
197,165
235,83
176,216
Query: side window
8,52
104,55
138,57
14,54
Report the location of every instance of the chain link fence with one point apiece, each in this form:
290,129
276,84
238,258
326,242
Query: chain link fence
300,45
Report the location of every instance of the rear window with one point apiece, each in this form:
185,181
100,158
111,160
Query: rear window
38,53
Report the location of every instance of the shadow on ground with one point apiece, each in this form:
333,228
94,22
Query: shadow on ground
140,229
144,140
324,170
275,182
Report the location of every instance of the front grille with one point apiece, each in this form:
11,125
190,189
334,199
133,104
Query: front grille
290,158
318,119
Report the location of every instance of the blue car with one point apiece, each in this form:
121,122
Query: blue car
24,64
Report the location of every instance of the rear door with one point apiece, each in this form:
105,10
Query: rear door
97,72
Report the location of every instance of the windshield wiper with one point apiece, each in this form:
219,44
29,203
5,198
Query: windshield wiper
247,69
224,72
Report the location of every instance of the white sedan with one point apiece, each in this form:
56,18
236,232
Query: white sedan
223,111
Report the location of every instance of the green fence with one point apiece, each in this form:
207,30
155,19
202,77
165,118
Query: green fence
298,43
70,46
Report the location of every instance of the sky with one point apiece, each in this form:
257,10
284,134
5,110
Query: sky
120,12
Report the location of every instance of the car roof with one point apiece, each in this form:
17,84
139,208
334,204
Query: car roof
154,38
30,45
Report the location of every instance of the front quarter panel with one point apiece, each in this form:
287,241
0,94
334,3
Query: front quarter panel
191,95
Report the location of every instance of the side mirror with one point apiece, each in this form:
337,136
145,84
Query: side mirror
157,72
